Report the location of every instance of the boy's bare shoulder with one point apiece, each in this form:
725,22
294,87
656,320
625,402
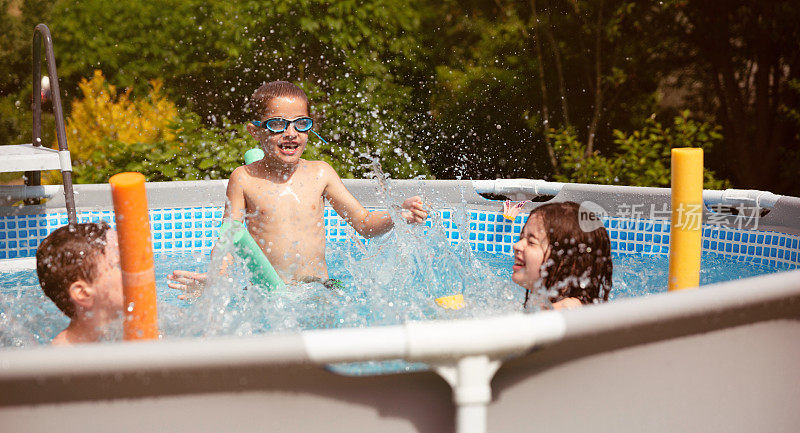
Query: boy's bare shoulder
317,163
243,172
321,168
239,171
241,178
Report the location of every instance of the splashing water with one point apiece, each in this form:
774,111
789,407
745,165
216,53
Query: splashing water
389,280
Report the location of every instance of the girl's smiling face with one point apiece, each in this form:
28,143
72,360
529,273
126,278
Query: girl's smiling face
530,252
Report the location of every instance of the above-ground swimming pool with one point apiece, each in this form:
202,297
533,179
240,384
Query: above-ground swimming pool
719,358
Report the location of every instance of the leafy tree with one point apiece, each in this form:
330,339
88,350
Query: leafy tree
11,46
9,122
110,132
17,20
454,88
359,62
642,157
741,60
523,68
16,123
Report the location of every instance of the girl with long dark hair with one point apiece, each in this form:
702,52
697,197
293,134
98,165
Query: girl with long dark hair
565,250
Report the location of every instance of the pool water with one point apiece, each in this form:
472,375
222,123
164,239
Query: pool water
382,286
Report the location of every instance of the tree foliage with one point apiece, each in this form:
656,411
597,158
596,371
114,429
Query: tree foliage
194,152
110,132
523,68
352,58
105,116
642,157
741,59
17,20
449,89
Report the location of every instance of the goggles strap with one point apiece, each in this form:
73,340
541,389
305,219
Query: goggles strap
315,133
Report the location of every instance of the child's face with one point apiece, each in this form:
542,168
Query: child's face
530,252
108,282
285,147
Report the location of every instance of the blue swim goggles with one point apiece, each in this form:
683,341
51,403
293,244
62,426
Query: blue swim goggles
279,124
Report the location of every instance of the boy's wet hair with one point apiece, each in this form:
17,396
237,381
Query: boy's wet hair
579,265
274,89
68,254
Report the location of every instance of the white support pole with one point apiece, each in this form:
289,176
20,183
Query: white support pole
741,197
523,189
471,380
517,189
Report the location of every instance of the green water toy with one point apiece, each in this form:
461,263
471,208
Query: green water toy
253,155
260,268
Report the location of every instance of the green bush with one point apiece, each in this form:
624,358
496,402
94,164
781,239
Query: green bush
9,122
110,132
642,158
16,122
196,153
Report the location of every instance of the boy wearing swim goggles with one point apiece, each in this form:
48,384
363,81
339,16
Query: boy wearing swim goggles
282,196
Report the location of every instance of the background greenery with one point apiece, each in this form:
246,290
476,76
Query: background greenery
579,91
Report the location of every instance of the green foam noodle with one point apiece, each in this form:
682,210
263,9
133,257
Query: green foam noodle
253,155
261,270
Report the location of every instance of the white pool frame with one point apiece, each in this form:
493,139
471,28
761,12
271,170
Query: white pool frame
723,358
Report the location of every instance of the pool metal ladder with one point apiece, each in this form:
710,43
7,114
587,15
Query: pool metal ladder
33,158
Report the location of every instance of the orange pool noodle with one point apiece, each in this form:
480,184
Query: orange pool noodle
136,256
685,243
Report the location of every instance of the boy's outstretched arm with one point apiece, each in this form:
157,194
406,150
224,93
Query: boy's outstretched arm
192,282
366,223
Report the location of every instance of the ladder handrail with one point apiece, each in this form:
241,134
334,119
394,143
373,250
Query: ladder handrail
42,33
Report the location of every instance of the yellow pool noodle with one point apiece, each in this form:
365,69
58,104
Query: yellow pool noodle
685,241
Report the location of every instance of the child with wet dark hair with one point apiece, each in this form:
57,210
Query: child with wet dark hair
282,196
565,250
78,269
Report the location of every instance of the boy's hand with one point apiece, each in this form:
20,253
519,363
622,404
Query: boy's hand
192,283
415,212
